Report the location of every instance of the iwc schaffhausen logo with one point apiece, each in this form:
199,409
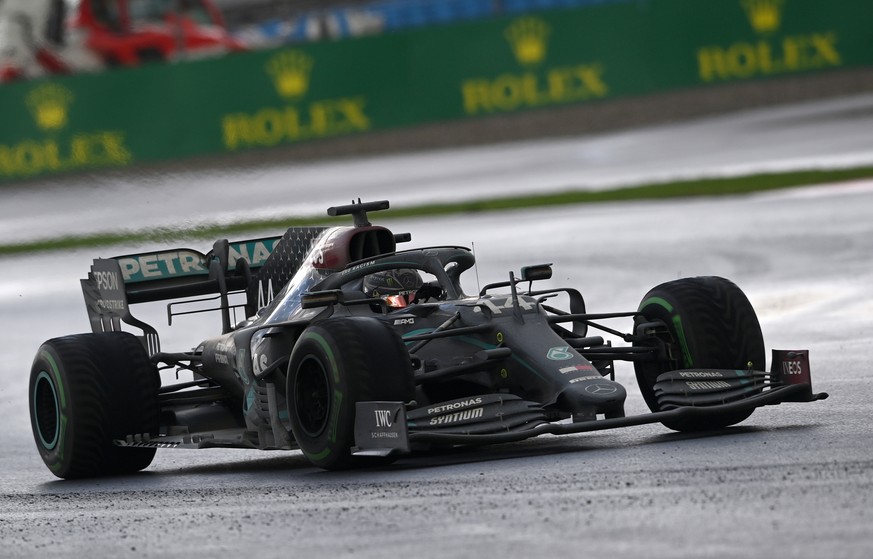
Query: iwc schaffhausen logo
290,71
49,104
528,37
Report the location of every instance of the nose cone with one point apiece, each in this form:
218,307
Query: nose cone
593,396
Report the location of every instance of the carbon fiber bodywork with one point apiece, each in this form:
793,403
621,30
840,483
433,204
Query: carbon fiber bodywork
498,366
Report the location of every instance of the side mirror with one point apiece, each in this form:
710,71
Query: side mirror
537,272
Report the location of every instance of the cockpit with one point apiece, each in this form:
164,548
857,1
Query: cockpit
439,268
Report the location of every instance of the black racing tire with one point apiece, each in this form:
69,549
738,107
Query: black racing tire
710,324
87,390
334,365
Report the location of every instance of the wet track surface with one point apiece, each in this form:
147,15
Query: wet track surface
794,480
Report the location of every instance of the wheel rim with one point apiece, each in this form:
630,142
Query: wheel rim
46,410
312,396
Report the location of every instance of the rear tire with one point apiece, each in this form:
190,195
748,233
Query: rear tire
87,390
334,365
710,324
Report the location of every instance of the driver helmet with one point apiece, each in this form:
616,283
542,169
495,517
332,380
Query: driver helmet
397,288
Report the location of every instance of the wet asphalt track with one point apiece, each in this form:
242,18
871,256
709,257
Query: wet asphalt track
792,481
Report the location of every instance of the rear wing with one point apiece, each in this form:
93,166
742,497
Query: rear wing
113,284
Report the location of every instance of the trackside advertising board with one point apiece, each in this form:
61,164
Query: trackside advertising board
334,88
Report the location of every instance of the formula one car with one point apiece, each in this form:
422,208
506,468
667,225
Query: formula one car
357,353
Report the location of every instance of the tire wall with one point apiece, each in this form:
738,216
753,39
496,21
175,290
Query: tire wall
484,75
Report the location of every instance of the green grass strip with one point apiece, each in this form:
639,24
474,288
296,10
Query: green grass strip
658,191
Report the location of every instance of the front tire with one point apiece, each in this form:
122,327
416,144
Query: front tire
87,390
334,365
709,323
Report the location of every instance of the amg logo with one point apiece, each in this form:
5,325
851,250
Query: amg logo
707,385
404,321
106,280
701,374
383,418
458,416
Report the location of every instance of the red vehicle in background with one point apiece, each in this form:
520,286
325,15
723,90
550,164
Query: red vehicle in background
39,37
128,32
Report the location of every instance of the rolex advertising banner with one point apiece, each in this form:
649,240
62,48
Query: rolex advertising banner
504,65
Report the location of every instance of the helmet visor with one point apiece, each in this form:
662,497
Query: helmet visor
401,300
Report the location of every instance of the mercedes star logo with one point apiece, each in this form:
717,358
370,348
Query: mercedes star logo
602,389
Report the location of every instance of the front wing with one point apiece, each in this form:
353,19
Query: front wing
385,428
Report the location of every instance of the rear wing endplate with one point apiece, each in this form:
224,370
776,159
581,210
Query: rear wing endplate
113,284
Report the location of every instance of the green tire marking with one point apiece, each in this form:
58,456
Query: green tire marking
319,455
338,395
49,445
54,367
657,301
677,324
680,331
61,447
319,339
